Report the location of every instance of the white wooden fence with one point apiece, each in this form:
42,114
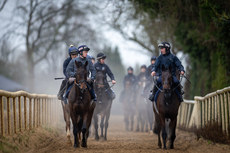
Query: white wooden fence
214,107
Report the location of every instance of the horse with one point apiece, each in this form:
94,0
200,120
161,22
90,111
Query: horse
167,110
127,98
81,106
66,113
102,109
141,106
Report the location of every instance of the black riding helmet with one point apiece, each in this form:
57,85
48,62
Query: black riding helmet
153,58
165,45
143,67
101,56
130,68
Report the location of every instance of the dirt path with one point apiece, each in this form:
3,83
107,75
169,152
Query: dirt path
119,141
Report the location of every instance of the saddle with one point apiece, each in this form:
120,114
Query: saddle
158,91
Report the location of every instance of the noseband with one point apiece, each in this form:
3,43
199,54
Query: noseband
79,83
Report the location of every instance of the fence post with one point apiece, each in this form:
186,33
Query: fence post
2,116
30,113
34,114
38,113
8,116
14,114
20,115
226,112
25,113
222,113
213,109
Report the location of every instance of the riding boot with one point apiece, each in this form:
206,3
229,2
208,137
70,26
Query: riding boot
62,90
152,95
111,93
92,93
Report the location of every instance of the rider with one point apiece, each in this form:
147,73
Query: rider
71,69
93,60
73,51
143,73
130,77
101,66
167,59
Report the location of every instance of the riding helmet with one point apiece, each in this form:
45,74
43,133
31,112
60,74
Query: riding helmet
101,56
153,58
165,45
83,48
130,69
143,67
73,50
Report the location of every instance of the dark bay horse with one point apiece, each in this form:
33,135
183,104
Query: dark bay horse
167,105
81,106
102,109
128,99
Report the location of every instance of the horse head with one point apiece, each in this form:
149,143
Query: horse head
167,82
100,79
81,75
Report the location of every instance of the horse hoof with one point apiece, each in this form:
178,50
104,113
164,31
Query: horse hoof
84,145
171,147
105,138
76,146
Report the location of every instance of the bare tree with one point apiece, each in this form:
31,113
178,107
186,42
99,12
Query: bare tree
2,4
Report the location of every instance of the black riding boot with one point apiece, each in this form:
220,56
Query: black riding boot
181,92
152,95
92,92
62,90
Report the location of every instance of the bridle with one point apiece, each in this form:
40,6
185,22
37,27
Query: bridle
79,83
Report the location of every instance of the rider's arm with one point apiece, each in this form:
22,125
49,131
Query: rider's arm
178,64
92,70
109,72
70,70
65,64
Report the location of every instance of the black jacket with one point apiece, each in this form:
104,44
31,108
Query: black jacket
105,69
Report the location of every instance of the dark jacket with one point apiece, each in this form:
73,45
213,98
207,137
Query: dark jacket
71,68
141,76
130,77
149,69
65,64
105,69
168,60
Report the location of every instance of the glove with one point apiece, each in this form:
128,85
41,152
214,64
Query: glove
71,80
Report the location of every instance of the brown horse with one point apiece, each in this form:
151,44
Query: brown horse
129,102
66,113
102,109
167,106
81,108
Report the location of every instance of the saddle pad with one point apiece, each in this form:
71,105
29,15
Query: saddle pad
158,91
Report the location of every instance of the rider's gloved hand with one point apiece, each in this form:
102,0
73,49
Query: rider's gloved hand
71,79
90,80
113,82
153,73
182,72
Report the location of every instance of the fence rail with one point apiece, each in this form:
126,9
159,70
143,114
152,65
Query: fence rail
20,111
214,107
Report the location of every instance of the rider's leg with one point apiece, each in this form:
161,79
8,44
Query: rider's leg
179,88
62,90
92,92
152,95
110,92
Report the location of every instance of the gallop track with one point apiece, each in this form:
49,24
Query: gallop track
119,141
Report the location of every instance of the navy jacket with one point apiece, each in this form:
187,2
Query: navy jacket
130,77
167,60
105,69
72,69
65,64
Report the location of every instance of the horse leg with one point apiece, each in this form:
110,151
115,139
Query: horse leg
172,127
138,122
75,133
102,124
67,116
126,119
107,123
84,131
95,119
164,133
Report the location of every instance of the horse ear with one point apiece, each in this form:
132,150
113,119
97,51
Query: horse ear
86,63
78,64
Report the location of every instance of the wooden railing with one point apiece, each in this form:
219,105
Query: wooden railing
21,111
212,108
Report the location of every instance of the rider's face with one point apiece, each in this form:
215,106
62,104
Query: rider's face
130,71
73,56
153,62
143,70
84,53
102,61
163,51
